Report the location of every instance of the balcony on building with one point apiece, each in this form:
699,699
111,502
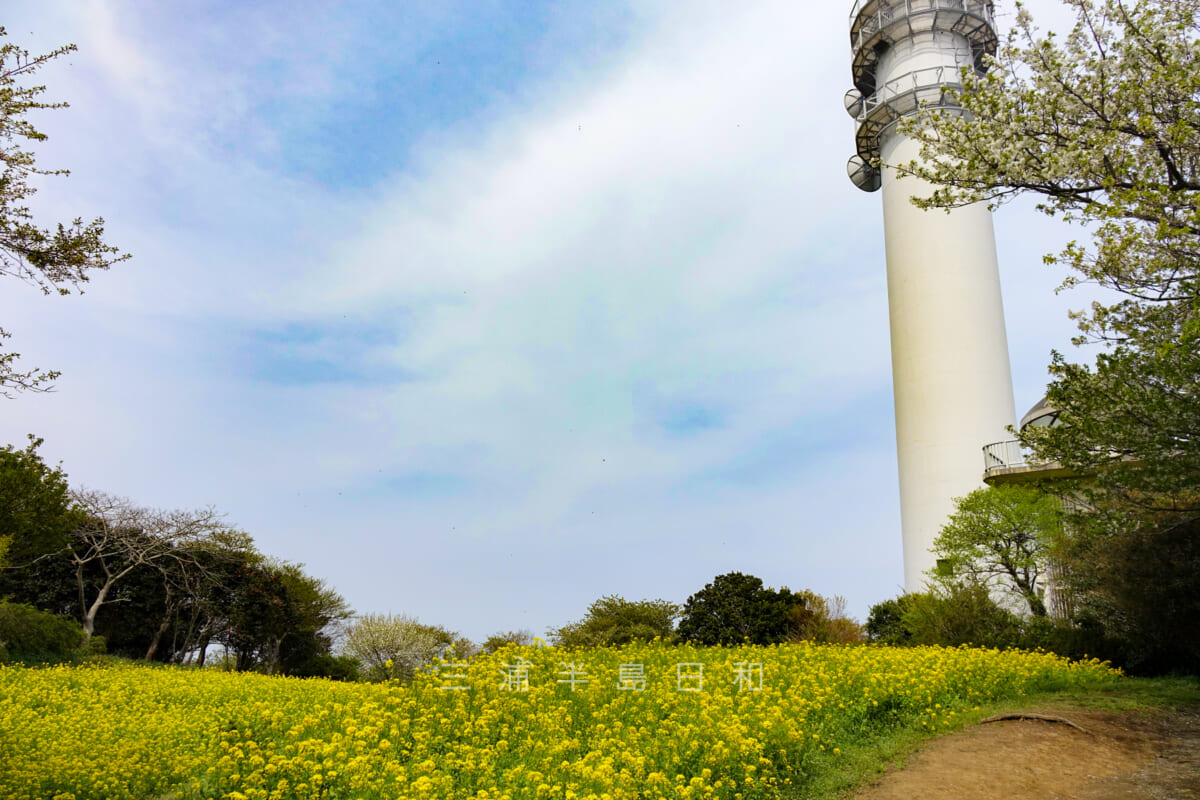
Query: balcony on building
1007,461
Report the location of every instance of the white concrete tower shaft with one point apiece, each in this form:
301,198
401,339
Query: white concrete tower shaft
950,370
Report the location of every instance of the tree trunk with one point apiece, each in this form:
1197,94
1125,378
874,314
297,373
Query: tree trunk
158,634
83,610
203,650
169,612
89,617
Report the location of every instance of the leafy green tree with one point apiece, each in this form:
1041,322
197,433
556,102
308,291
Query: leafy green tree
1000,537
56,261
280,619
885,622
36,516
737,608
1103,126
613,620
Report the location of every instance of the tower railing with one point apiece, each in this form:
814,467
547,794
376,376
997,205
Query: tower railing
877,23
928,88
1006,455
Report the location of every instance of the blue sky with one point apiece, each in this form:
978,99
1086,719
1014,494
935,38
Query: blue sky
484,310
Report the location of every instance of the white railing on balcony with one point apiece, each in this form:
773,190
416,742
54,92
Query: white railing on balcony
1005,455
982,8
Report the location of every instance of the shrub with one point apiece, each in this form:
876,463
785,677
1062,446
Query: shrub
613,620
27,634
957,615
885,622
497,640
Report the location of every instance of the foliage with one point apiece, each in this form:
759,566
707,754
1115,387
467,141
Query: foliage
159,585
1103,125
397,646
56,261
613,620
960,615
1135,590
814,618
279,619
33,636
1000,537
885,622
35,509
737,608
215,734
491,644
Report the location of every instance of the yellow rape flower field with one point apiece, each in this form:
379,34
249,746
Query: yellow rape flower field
642,721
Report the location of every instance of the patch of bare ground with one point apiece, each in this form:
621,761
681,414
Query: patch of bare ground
1140,755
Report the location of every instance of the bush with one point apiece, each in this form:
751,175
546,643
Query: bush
960,615
885,622
824,620
613,620
27,634
491,644
327,665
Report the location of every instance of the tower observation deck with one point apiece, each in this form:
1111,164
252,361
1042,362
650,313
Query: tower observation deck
950,372
908,55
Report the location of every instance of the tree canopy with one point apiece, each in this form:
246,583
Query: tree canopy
736,608
57,260
613,620
1103,126
1000,537
35,508
396,646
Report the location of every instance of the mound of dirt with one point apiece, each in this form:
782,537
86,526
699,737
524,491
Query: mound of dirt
1101,756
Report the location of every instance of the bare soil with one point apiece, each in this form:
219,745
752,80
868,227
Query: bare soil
1117,756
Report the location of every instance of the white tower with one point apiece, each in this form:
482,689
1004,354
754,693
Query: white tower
950,373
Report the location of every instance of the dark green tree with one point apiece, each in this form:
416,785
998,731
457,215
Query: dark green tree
885,622
613,620
36,516
1135,583
56,261
280,618
737,608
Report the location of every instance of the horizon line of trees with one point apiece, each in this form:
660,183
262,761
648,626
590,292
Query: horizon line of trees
161,586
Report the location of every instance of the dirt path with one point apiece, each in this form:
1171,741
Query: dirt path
1131,756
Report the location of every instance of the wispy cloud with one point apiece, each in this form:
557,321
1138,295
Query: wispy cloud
446,300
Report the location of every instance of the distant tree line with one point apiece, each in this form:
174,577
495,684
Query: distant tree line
162,586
